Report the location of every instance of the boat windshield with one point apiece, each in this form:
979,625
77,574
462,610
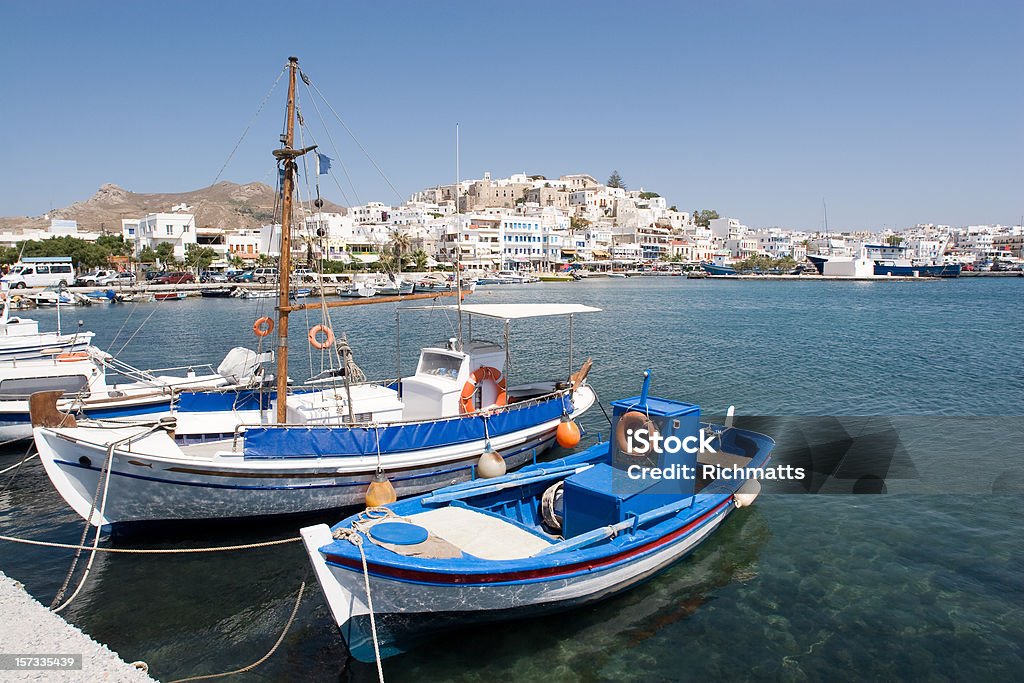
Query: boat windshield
439,365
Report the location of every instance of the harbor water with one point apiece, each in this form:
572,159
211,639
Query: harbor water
920,582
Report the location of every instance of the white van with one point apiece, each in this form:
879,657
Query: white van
43,271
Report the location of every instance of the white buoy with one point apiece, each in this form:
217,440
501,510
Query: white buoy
490,464
747,494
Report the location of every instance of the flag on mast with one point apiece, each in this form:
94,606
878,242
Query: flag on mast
323,164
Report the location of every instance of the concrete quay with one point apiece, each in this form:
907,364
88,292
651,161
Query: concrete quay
29,630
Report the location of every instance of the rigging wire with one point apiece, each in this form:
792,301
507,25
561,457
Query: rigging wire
337,153
356,140
251,121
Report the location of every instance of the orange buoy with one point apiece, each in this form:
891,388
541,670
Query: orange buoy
314,339
263,326
477,376
380,492
568,433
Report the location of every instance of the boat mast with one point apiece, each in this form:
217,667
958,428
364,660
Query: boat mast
458,237
286,156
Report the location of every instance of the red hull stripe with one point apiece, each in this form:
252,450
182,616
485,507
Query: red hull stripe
548,573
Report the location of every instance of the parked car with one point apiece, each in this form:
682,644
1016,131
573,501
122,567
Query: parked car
305,275
124,278
154,274
244,276
264,275
100,278
176,278
212,276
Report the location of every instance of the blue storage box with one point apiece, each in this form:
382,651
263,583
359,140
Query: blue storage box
603,495
675,419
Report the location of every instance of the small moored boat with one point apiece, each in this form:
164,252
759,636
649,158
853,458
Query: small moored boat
550,537
169,296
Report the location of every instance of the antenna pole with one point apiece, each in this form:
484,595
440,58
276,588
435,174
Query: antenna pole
284,271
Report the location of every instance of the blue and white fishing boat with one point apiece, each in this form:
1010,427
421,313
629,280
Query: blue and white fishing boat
550,537
719,265
228,456
892,260
241,454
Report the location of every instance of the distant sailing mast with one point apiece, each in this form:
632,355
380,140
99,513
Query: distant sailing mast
458,236
286,156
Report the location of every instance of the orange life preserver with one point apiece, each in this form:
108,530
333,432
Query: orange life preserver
316,343
477,376
263,326
72,357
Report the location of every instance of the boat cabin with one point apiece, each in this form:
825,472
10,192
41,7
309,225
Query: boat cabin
442,373
435,390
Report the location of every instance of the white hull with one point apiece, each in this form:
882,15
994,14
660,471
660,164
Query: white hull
402,609
152,478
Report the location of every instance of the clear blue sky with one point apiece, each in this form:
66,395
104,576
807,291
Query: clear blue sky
893,112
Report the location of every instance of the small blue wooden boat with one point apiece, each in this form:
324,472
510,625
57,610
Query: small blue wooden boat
550,537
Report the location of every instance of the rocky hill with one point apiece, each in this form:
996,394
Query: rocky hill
224,205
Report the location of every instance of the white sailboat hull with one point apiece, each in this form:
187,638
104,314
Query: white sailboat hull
153,478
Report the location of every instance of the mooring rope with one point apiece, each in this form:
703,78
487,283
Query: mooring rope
280,639
355,539
101,485
151,551
108,467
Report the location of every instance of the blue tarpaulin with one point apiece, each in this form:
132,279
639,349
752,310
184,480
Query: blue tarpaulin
273,442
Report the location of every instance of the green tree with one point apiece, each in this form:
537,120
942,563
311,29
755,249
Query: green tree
893,240
165,252
419,258
704,217
8,255
398,246
198,257
673,208
147,255
115,245
649,195
615,180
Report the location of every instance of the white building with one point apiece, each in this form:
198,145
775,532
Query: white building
176,229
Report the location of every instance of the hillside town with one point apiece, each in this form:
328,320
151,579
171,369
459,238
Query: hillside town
537,224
